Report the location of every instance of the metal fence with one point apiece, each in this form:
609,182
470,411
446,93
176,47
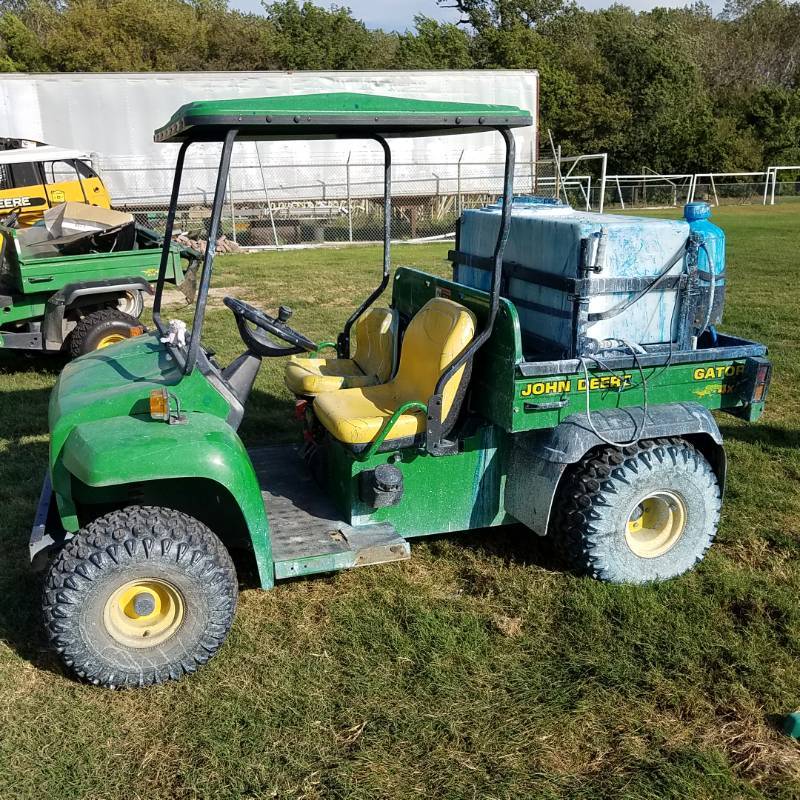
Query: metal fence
270,205
274,205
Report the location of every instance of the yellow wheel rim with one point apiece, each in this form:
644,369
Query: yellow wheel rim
112,338
656,524
144,613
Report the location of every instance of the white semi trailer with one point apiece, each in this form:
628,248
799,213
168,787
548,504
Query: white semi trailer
112,115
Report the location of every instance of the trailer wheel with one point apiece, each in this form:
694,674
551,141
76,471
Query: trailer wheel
138,597
636,514
101,329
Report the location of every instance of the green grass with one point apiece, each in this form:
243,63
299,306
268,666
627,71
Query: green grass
477,669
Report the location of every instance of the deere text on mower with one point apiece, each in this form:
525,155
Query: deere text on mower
575,402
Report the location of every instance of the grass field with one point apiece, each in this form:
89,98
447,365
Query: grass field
478,669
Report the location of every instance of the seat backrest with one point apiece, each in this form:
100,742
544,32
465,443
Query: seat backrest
437,333
375,349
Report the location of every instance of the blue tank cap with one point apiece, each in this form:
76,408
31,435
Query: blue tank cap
692,212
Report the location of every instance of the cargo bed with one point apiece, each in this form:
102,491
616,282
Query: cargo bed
726,347
519,387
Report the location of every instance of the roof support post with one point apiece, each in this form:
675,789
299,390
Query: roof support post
165,245
211,246
433,435
343,340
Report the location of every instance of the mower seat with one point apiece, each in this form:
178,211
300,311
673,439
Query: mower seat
374,356
439,331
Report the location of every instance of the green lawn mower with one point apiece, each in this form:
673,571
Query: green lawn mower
81,289
563,380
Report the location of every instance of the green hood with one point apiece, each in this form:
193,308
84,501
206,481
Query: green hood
117,381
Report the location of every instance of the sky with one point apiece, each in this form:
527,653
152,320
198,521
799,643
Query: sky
399,14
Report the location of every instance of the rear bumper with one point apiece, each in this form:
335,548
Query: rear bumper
46,533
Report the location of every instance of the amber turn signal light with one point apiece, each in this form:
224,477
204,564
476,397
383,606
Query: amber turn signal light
159,404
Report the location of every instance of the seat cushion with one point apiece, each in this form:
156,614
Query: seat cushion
374,355
312,376
439,331
375,345
355,416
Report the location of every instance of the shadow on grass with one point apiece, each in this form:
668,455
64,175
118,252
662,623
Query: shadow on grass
512,544
34,362
770,435
269,419
20,587
23,412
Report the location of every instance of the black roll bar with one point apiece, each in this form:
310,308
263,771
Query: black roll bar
211,247
165,245
343,340
433,432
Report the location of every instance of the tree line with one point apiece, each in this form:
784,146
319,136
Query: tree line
673,90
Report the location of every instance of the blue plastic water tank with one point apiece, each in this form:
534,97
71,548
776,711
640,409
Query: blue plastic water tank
711,258
549,237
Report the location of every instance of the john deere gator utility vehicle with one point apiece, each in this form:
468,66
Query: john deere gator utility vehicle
452,407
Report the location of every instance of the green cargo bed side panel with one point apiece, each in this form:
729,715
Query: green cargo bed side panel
24,307
128,450
545,401
31,275
55,273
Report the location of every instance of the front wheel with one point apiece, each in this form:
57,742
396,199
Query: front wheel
636,514
139,596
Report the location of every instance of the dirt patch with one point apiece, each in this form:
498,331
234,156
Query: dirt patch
757,751
508,626
170,297
175,297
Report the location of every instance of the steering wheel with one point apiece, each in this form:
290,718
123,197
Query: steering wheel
256,342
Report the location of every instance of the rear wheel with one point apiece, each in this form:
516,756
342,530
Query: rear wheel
641,513
139,596
101,329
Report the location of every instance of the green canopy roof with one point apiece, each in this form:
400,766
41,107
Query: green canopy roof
337,115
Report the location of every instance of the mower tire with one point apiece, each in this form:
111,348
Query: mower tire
101,329
140,596
647,512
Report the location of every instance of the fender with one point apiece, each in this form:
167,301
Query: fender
121,451
540,458
52,327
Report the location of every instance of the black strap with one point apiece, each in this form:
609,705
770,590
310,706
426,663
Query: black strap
626,304
512,269
583,287
708,276
542,309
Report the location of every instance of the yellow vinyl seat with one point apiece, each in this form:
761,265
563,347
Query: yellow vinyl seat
439,331
374,356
